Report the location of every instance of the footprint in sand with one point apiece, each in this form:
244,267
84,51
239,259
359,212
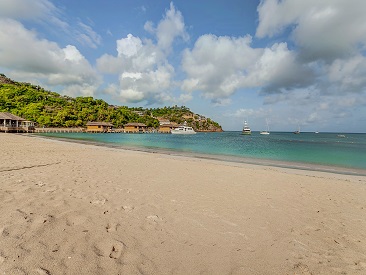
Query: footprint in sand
75,220
301,268
43,271
2,259
109,248
40,184
112,227
99,202
116,251
154,218
128,208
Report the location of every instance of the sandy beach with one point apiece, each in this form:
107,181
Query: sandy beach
70,208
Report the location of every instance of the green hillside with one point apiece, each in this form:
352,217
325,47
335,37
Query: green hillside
50,109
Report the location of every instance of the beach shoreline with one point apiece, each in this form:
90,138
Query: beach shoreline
224,158
71,207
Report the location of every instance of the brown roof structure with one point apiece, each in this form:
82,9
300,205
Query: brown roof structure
10,116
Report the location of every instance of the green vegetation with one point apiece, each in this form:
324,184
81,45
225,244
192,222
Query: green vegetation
50,109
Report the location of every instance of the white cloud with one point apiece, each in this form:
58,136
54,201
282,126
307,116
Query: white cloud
348,75
327,58
217,65
45,13
324,30
150,85
87,36
144,73
185,97
133,55
131,95
169,28
220,66
25,9
72,54
142,65
30,57
327,62
129,46
149,27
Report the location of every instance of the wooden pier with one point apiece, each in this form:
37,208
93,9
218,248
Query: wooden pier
59,130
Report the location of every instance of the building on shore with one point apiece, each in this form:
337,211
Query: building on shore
134,127
166,128
99,127
10,123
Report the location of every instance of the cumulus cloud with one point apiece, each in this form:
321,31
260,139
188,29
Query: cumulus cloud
150,85
29,57
129,46
324,30
220,66
169,28
216,66
321,58
144,73
348,75
327,61
45,13
142,65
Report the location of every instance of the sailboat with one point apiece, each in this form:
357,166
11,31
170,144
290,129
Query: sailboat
267,130
246,129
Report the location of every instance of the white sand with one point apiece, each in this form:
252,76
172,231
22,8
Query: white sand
80,209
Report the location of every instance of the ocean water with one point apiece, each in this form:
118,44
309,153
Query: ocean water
306,150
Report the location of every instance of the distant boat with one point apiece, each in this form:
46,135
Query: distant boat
246,129
267,130
183,130
341,136
297,131
316,132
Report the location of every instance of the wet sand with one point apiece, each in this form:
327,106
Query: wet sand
70,208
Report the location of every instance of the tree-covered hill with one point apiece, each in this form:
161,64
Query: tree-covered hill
50,109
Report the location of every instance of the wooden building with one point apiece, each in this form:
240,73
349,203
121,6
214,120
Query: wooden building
166,128
12,123
99,127
135,127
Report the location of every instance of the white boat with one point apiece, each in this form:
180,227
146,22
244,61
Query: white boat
183,130
298,130
266,132
246,129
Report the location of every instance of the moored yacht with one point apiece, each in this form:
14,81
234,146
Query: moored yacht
183,130
246,129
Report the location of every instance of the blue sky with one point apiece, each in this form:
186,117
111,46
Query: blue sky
291,62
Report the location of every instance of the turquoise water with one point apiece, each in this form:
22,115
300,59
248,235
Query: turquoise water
308,148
